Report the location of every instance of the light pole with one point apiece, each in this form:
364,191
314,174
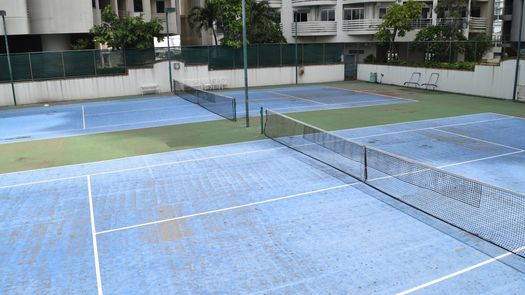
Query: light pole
168,11
3,13
245,61
519,53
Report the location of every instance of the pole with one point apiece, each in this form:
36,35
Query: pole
296,58
3,13
519,54
245,60
169,51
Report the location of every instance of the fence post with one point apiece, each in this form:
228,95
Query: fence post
63,64
450,51
30,66
94,62
476,51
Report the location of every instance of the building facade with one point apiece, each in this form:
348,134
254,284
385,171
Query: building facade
358,20
50,25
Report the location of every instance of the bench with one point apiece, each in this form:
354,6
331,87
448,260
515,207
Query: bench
149,88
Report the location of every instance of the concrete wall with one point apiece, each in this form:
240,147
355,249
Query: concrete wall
17,20
88,88
60,16
490,81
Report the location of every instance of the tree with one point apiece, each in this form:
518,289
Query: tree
204,17
262,22
127,32
398,21
452,12
439,42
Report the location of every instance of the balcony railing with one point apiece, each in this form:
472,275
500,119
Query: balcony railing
478,24
362,26
313,2
274,3
371,26
315,28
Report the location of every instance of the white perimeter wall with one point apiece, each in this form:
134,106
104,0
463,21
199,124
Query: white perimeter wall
490,81
122,85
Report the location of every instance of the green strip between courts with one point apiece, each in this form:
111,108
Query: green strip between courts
88,148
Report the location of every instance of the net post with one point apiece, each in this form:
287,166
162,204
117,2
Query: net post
365,165
234,106
262,120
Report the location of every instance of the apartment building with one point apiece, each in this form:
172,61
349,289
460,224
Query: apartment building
50,25
358,20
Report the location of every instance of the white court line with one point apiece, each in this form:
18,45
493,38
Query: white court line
94,236
420,129
296,97
371,93
143,167
83,118
479,139
457,273
227,209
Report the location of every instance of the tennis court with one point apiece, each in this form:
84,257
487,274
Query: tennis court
106,116
254,217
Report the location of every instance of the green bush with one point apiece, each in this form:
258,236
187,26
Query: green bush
370,58
462,65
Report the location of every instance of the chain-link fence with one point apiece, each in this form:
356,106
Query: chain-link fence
85,63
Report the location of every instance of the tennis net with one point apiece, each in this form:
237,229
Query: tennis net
491,213
221,105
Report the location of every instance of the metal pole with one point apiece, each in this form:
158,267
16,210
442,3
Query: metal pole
245,60
519,54
296,58
3,13
169,52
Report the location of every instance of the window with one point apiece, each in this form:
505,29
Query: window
327,15
300,16
382,11
161,6
475,12
426,13
354,13
137,6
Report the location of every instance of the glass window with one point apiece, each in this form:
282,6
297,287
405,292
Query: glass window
161,7
137,6
382,11
475,12
300,16
354,13
426,13
328,15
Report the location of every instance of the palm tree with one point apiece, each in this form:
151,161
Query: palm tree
204,18
263,23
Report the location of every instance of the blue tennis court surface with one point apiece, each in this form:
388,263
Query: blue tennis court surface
253,217
106,116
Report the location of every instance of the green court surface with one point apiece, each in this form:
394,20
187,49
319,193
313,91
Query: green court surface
112,145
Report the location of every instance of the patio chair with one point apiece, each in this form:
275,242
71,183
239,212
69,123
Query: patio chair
432,81
414,79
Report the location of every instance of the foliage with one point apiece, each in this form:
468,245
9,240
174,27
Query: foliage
398,20
450,8
204,17
83,43
439,42
462,65
370,58
478,46
126,32
262,22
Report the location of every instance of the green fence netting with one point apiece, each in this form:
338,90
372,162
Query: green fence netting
89,63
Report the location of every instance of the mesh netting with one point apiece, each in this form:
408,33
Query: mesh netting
491,213
221,105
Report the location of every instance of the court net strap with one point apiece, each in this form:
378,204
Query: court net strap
221,105
494,214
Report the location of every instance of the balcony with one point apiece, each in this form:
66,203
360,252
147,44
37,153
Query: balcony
371,26
478,24
274,3
315,28
362,26
313,2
